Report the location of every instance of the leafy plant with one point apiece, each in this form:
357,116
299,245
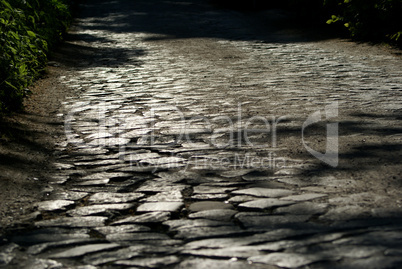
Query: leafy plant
27,29
368,19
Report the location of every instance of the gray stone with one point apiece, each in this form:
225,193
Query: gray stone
256,178
163,161
6,253
266,203
154,186
83,250
98,209
136,237
194,223
264,192
100,163
207,196
132,228
373,262
393,252
228,252
106,175
343,213
160,206
58,179
154,262
68,195
133,157
72,222
115,255
201,206
208,232
295,181
111,197
235,173
54,205
307,208
63,166
204,263
43,264
216,214
150,217
286,260
304,197
270,221
205,189
355,251
241,199
93,182
45,235
168,196
109,142
36,249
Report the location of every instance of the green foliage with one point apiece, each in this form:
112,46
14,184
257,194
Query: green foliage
27,29
368,19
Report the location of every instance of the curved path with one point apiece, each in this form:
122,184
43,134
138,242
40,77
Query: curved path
208,138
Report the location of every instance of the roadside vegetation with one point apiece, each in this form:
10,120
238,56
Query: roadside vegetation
29,29
367,20
376,20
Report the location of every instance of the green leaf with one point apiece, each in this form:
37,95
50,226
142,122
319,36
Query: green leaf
11,85
31,34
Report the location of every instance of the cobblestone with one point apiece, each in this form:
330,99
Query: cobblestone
185,148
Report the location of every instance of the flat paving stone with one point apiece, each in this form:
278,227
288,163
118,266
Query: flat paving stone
178,224
258,238
155,262
216,214
99,209
44,264
304,197
45,235
263,204
208,232
68,195
93,182
168,196
124,254
83,250
131,228
151,217
209,197
205,263
272,221
72,222
264,192
205,189
160,206
202,206
147,236
229,252
53,205
306,208
285,260
6,253
112,197
241,199
105,175
39,248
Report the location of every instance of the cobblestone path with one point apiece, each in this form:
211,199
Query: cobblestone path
188,147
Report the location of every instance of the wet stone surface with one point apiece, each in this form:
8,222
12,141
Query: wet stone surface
171,159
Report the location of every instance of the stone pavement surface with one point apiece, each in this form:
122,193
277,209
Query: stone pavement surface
184,148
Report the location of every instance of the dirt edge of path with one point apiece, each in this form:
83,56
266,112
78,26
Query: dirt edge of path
28,148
